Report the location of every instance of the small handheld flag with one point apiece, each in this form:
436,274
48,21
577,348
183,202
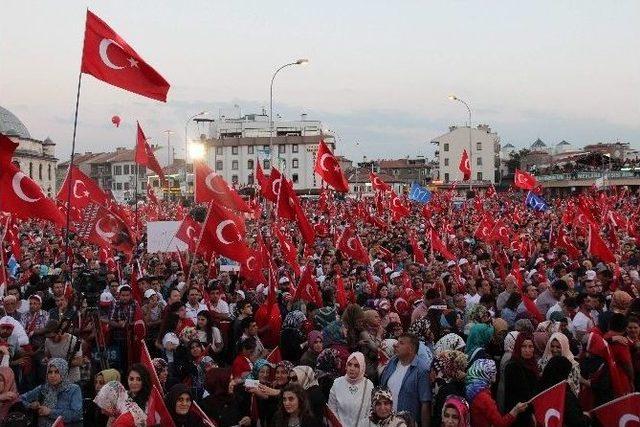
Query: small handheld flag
535,202
419,194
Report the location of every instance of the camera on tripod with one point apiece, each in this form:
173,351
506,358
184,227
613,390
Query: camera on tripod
90,285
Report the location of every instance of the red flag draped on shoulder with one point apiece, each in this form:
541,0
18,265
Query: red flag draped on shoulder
107,57
20,195
145,156
84,190
465,166
329,169
525,180
211,186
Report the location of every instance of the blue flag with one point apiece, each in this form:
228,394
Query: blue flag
419,194
535,202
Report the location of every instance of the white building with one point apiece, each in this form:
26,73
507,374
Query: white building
484,148
235,145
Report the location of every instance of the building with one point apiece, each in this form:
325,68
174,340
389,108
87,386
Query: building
484,152
235,145
34,157
407,170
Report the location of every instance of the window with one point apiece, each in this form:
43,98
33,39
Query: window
250,149
479,176
446,177
250,179
119,186
234,179
234,165
479,161
282,149
294,164
49,172
446,162
126,186
445,146
478,146
125,169
40,171
142,170
294,148
266,164
265,148
30,170
234,150
294,178
250,164
144,185
113,186
218,165
218,151
117,170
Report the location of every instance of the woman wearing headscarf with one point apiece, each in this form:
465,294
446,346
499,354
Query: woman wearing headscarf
557,369
314,347
449,342
509,344
350,394
448,372
162,371
329,366
178,402
114,402
93,413
381,413
455,412
8,391
226,404
370,340
387,351
484,410
305,376
521,376
56,397
558,345
479,336
293,335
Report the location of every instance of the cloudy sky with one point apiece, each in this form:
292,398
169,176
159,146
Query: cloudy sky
379,71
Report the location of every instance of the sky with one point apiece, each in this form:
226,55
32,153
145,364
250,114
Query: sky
378,77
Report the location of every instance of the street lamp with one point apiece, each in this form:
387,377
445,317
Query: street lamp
301,61
169,133
186,141
455,98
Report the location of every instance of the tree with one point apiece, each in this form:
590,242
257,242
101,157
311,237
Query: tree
515,159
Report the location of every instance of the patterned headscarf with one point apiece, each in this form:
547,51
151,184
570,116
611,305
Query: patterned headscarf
460,405
510,341
333,334
421,328
306,376
288,366
159,364
447,366
479,337
257,366
294,320
330,363
478,313
378,394
114,396
50,392
480,376
449,342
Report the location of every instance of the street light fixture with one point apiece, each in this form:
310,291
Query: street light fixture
186,141
455,98
301,61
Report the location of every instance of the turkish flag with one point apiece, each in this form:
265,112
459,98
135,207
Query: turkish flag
251,269
307,289
341,295
84,190
398,209
222,233
145,359
105,229
196,409
349,243
145,156
500,233
265,183
377,183
328,168
211,186
418,253
548,406
438,246
157,413
524,180
286,201
107,57
189,233
597,247
465,166
20,195
151,196
623,411
562,241
289,251
483,232
306,229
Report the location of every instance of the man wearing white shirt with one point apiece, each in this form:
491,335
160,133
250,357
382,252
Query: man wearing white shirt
217,305
193,305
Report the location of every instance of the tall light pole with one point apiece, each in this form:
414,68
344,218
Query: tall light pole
301,61
186,141
455,98
169,133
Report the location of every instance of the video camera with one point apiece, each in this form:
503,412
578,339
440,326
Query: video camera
90,285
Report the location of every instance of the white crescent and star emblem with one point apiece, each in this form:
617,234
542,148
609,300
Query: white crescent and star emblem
220,230
103,234
322,160
396,202
350,244
466,164
208,181
628,418
377,181
250,263
502,231
551,413
84,193
191,233
102,50
273,186
17,188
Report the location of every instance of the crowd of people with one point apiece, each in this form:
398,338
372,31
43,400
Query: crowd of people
401,341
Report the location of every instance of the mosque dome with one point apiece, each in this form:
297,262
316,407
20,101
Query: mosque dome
11,125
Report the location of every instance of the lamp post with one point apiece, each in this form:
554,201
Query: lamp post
186,141
169,133
455,98
301,61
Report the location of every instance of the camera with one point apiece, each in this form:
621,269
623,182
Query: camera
90,285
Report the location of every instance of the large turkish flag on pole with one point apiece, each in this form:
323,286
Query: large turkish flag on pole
84,190
465,166
211,186
107,57
145,156
329,169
